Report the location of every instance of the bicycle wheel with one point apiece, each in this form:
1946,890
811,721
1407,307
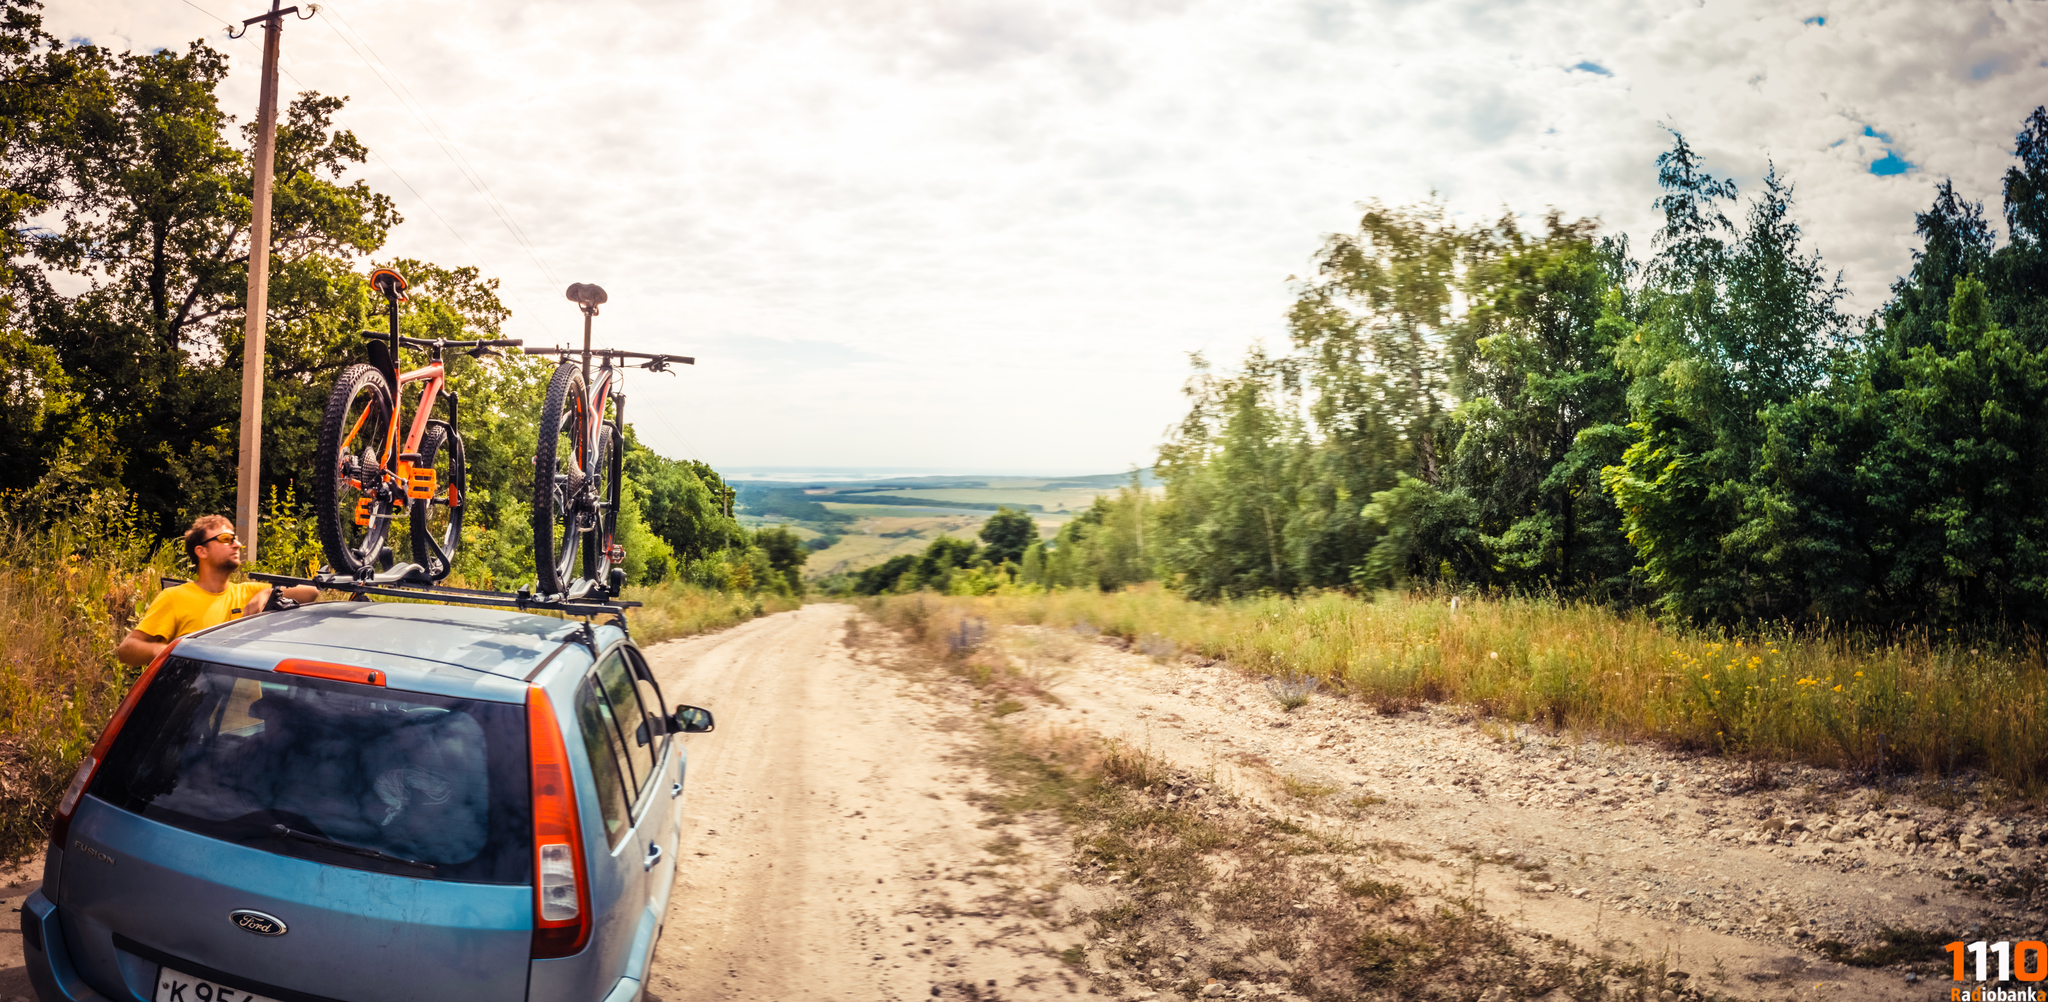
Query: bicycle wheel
562,509
437,520
603,551
353,496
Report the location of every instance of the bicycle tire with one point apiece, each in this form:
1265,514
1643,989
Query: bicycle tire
558,481
597,557
436,522
355,440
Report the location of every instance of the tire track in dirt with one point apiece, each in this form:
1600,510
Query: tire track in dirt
832,847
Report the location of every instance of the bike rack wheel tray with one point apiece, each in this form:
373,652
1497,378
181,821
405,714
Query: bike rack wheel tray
400,582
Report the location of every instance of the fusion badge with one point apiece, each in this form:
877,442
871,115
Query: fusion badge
257,922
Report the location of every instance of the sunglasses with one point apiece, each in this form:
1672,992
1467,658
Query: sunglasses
226,537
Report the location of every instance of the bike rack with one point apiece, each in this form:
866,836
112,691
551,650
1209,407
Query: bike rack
399,583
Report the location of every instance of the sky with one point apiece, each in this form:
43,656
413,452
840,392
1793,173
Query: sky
985,234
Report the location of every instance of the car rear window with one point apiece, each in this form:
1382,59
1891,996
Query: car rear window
348,774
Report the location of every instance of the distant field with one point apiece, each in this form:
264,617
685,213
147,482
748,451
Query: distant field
864,543
901,511
1052,500
881,531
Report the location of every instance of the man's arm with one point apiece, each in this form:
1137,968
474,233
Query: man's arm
139,648
297,593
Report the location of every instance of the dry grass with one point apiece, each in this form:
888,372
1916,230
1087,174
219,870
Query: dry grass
1914,703
678,610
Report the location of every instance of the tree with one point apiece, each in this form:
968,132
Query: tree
155,218
1541,409
1230,485
1006,535
786,554
1729,324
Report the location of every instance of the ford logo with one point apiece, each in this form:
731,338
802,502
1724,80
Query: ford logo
257,922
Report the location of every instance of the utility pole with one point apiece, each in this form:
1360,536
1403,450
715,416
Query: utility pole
247,476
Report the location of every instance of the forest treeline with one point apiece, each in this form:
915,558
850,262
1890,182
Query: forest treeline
1701,429
126,247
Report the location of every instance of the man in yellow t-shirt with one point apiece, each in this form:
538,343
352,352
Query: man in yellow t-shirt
210,600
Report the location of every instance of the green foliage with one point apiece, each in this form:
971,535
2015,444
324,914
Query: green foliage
786,554
1006,535
1728,326
934,569
1703,431
1103,547
789,503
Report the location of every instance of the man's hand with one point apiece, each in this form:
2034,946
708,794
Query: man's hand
300,594
139,648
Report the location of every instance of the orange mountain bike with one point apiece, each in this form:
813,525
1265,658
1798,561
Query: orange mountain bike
370,476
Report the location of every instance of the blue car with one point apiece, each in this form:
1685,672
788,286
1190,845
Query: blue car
370,801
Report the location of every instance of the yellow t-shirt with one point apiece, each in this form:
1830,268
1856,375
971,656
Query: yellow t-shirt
187,607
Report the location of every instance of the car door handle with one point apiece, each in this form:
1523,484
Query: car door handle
676,790
653,856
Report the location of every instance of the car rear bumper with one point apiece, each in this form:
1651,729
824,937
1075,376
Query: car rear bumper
49,963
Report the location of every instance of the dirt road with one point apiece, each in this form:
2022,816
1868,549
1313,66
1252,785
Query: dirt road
836,849
831,849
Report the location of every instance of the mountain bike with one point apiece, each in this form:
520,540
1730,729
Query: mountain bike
369,476
578,464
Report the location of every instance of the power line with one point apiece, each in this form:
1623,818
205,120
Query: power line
418,109
531,314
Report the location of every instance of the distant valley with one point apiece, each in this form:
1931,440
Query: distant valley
852,524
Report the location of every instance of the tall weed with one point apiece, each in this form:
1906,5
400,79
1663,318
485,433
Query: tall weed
69,591
1916,702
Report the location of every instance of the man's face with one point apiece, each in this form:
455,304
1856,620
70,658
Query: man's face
222,550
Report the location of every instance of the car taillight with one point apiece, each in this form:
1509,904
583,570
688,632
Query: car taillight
561,899
60,826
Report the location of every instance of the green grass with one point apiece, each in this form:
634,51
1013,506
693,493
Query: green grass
1830,699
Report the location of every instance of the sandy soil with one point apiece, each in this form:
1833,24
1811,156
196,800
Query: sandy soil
1627,851
831,847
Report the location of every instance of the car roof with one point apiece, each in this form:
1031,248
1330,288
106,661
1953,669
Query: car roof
452,649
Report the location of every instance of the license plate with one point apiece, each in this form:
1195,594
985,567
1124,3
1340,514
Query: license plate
173,985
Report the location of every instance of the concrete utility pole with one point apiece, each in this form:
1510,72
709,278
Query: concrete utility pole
247,476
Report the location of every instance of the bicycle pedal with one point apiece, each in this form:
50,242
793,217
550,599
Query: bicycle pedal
363,511
419,483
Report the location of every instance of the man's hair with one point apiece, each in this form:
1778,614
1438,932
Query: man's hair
204,528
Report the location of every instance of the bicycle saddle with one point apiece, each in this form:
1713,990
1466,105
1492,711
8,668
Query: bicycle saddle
390,283
587,295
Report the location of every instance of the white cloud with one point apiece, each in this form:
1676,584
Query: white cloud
959,233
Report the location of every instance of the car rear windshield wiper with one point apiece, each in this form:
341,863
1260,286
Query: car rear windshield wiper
285,832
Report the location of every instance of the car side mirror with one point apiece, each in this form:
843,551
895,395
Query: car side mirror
690,720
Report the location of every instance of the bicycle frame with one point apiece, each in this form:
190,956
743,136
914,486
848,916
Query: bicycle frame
394,463
600,395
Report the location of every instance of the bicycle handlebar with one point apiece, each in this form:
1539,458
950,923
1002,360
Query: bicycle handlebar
428,342
615,353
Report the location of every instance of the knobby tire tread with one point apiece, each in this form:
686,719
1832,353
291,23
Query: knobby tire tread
341,556
565,386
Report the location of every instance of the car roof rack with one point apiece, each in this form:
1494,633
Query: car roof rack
404,581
